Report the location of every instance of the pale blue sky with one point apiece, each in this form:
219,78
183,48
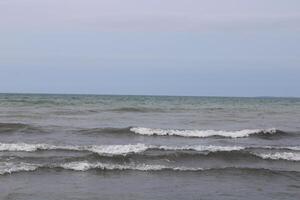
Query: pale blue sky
191,47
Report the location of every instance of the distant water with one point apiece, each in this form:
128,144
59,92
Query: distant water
148,147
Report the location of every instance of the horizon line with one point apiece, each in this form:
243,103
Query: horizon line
149,95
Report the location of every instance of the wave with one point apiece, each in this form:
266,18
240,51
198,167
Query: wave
142,131
100,149
129,149
230,155
135,109
249,155
108,130
292,156
18,127
10,168
84,166
113,149
204,133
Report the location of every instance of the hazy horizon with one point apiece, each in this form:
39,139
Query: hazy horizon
150,95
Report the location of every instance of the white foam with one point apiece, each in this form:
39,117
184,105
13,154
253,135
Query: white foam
111,150
199,133
77,166
118,149
8,168
292,156
200,148
18,147
84,166
293,148
100,149
34,147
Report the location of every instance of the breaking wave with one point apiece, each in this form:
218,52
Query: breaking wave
142,131
9,168
100,149
203,133
84,166
128,149
291,156
112,149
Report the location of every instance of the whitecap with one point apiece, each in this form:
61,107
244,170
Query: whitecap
199,133
84,166
8,168
118,149
201,148
291,156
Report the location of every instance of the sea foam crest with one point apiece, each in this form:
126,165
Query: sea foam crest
199,133
34,147
200,148
100,149
113,149
129,148
8,168
292,156
84,166
118,149
19,147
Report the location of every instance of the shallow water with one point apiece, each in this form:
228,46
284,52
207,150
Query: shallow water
148,147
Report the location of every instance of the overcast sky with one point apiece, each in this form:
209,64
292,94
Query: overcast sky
160,47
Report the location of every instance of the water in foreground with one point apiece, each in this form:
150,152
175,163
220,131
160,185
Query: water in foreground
143,147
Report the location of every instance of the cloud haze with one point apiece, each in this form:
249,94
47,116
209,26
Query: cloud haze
173,47
154,15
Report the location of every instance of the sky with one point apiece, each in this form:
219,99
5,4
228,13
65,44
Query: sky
157,47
